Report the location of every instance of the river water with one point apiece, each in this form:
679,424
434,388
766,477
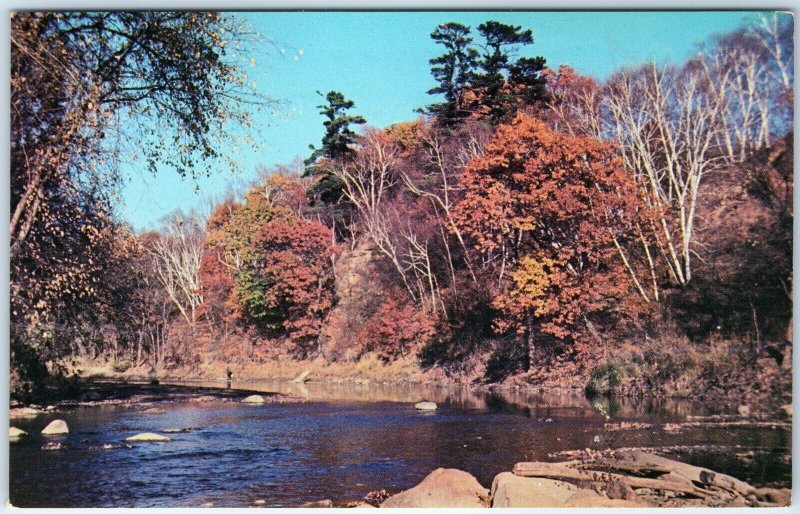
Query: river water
344,441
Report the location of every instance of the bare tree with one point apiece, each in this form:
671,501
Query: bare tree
177,263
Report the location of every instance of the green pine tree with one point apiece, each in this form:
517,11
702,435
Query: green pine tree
452,70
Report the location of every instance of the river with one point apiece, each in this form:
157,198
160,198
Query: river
344,441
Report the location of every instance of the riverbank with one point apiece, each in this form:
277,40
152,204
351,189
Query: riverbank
143,395
725,373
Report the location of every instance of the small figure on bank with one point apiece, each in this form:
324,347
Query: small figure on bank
229,374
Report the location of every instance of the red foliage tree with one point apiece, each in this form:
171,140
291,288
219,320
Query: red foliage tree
395,329
295,263
546,210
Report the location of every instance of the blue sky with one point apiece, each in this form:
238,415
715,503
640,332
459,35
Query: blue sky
380,60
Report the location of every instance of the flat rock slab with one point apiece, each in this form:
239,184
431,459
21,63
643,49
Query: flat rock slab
442,488
586,498
56,427
148,437
254,399
425,406
16,432
510,490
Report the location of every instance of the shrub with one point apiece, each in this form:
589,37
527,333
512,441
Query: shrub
604,378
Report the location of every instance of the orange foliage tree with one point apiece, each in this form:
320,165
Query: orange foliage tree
216,273
547,212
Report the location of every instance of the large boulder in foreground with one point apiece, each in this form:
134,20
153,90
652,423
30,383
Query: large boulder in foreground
442,488
56,427
254,399
148,437
510,490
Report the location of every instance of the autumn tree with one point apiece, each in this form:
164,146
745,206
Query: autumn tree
216,270
295,267
678,125
544,210
83,85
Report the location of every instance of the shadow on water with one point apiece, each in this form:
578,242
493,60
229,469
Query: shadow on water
345,440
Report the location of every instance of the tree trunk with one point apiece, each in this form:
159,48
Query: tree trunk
530,339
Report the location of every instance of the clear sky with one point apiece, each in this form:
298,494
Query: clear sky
380,60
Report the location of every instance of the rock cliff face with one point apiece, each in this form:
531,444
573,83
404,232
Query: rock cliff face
357,293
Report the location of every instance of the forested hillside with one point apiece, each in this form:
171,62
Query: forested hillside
531,224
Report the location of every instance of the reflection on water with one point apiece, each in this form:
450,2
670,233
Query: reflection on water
344,441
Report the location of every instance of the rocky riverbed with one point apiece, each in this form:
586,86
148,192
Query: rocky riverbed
630,478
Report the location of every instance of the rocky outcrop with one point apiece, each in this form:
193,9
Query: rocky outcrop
442,488
254,399
56,427
425,406
509,490
148,437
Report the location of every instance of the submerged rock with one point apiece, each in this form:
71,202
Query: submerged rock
510,490
147,437
425,406
91,396
321,504
442,488
109,446
52,446
254,398
177,430
56,427
14,432
153,410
